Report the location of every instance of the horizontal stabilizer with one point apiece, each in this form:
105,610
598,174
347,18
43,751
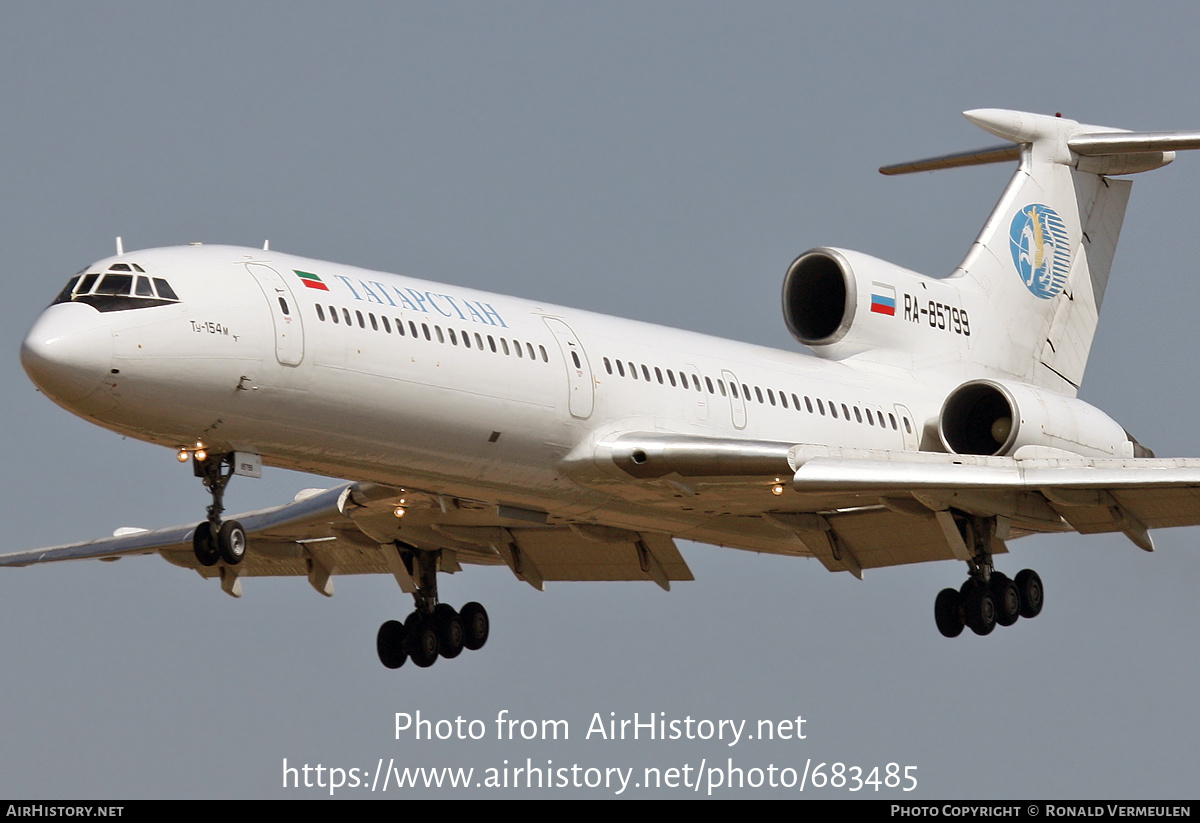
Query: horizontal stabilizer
978,157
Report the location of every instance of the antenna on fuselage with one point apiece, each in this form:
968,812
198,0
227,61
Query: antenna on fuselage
120,247
266,245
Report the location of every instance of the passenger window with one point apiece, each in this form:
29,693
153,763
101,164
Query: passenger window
808,403
425,328
607,366
771,396
320,313
545,357
820,407
440,338
658,374
575,359
492,343
453,337
333,314
387,327
504,345
758,393
845,411
721,386
346,314
833,410
620,369
857,414
288,312
521,354
671,377
870,419
374,323
466,338
783,400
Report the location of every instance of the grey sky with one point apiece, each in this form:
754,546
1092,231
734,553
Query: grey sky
662,161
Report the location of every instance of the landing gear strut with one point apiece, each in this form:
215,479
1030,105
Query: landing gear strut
432,629
988,598
215,540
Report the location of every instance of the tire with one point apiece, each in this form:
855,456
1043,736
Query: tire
231,542
476,625
1033,595
204,547
450,632
1007,600
947,611
979,610
421,640
389,644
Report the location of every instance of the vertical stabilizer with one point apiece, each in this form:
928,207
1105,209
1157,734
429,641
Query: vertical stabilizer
1043,257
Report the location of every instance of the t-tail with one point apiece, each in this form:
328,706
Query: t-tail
1044,255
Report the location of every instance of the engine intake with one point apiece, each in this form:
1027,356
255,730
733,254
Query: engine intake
996,418
819,297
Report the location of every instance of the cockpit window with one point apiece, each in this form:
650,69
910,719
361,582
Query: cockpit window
85,285
118,289
115,284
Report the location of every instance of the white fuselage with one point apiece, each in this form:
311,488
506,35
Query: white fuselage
361,375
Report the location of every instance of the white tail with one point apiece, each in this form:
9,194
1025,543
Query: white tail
1044,255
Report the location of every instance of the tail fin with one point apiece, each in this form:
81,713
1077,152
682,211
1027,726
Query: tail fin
1044,255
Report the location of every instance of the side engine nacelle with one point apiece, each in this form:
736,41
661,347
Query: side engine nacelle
840,303
994,417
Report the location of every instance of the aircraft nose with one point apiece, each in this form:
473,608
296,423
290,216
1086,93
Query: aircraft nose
68,351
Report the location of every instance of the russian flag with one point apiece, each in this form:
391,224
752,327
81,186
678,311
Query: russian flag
883,299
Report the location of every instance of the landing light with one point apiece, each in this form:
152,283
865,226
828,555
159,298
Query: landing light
777,489
201,455
183,456
398,511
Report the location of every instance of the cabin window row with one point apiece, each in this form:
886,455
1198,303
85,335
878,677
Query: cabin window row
860,414
466,339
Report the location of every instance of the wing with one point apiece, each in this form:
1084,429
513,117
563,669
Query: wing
363,528
856,509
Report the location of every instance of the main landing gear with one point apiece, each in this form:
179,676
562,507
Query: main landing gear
988,598
433,629
215,540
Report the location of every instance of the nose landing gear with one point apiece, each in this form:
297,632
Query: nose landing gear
215,540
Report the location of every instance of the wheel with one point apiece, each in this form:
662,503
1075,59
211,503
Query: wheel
1029,587
421,640
203,545
947,611
389,643
231,542
1006,598
449,627
979,610
476,625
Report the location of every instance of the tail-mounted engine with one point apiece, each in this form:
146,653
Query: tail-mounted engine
993,417
840,303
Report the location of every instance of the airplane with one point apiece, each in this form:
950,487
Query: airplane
930,419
